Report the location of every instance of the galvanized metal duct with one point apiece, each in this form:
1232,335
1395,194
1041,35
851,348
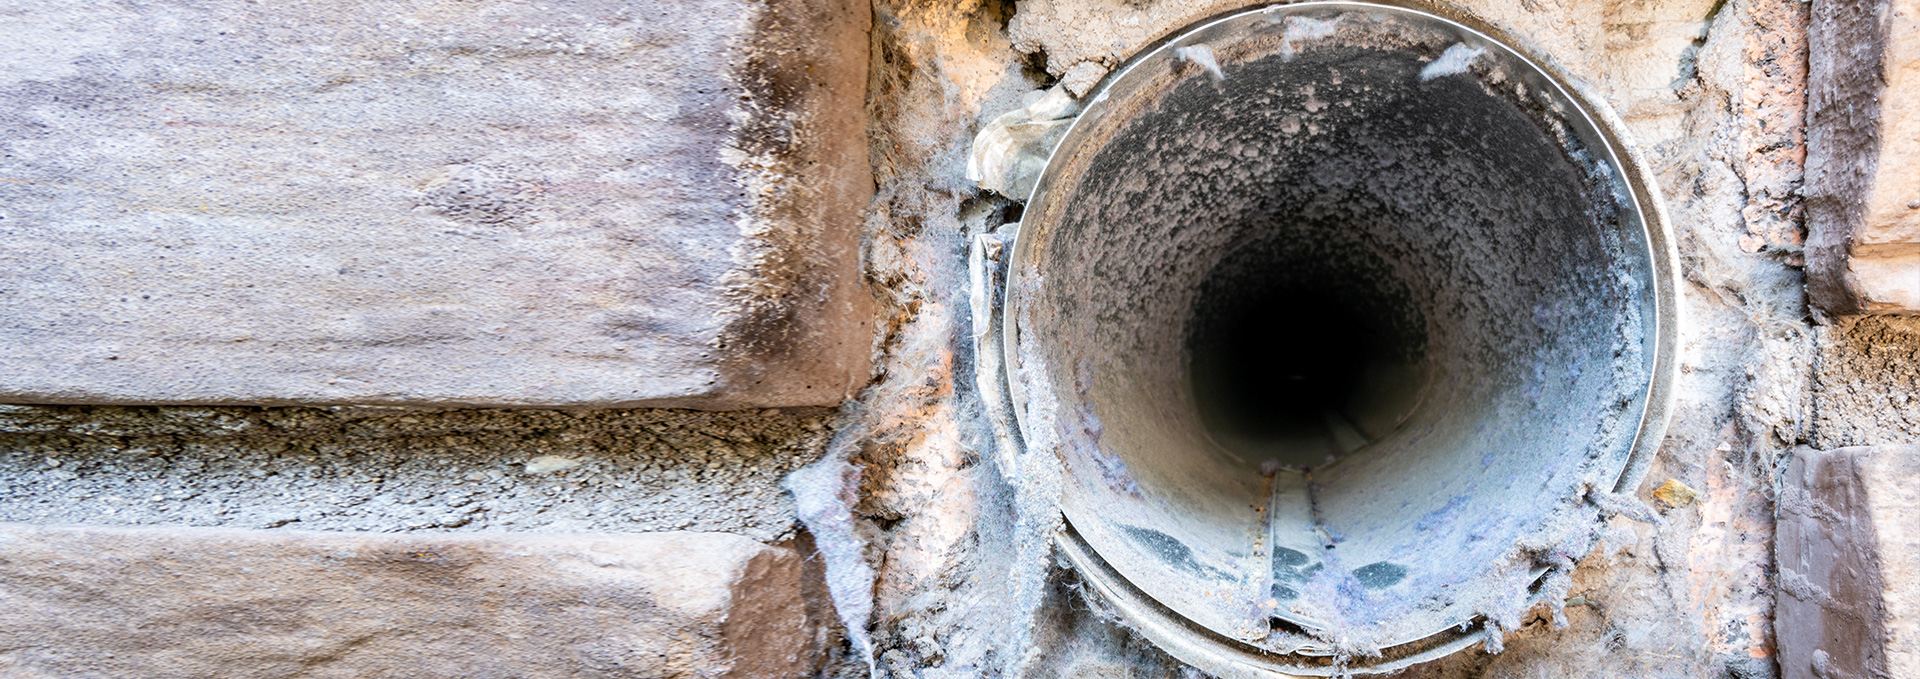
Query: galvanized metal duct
1335,315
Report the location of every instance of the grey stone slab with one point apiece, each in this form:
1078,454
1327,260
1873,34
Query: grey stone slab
571,203
1848,551
1863,157
162,603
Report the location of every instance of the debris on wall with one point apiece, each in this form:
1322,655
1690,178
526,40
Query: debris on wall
1866,384
1686,596
936,549
825,493
1008,154
407,470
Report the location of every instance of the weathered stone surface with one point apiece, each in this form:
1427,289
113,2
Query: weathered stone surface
1866,383
192,603
575,203
366,470
1863,157
1849,558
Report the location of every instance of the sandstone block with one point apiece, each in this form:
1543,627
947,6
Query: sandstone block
164,603
570,203
1863,157
1848,547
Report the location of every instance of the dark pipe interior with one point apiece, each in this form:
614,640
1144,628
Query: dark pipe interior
1341,326
1303,350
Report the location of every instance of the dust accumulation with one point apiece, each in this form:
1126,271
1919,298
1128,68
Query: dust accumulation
1698,85
1707,89
393,470
1866,382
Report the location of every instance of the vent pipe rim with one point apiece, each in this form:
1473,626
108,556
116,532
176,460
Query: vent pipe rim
1208,649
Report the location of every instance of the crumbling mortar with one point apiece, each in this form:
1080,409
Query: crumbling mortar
390,469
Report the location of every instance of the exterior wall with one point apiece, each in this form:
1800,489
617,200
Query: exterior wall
211,212
399,183
167,603
1848,558
580,204
1863,196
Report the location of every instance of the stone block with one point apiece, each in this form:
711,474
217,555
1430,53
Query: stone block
1848,550
578,203
160,603
1863,157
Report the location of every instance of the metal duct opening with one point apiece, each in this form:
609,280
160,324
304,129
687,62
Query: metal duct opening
1301,348
1334,314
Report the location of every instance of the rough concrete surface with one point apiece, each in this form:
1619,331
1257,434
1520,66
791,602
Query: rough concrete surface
1708,91
1866,385
393,470
434,202
94,602
1849,551
1863,191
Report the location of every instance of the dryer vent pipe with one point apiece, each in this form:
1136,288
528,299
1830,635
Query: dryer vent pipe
1335,315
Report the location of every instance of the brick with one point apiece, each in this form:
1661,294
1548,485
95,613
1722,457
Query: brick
574,203
162,603
1848,550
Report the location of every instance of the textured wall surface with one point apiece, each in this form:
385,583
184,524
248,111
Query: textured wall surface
1710,93
1863,187
1849,555
582,203
1866,383
400,470
485,203
95,602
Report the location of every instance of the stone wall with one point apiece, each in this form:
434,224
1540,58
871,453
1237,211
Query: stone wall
1847,560
1863,218
167,603
582,204
278,270
341,339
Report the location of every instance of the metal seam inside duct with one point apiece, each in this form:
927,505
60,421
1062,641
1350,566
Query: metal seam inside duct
1334,315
